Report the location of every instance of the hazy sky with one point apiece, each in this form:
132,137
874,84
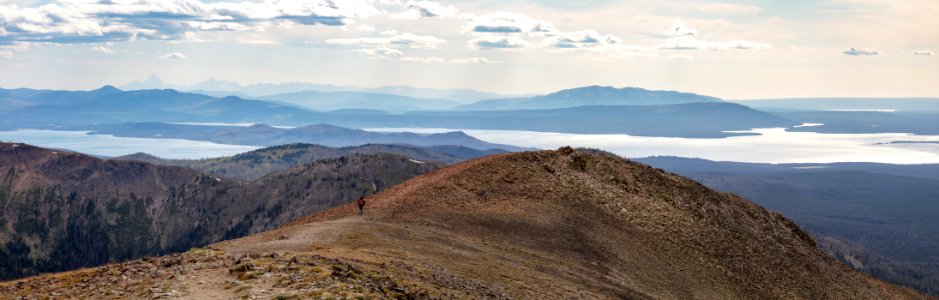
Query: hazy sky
731,49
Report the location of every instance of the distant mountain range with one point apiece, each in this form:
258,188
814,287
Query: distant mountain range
84,110
328,101
856,115
25,108
589,110
915,122
264,135
701,120
591,95
899,104
222,88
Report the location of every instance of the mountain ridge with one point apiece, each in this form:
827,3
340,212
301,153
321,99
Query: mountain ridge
709,119
266,135
223,87
591,95
548,224
345,100
252,165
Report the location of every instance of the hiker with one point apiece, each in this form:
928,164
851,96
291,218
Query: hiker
361,204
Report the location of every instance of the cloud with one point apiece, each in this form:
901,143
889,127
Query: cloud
428,60
404,40
101,49
498,42
426,9
507,23
582,39
679,29
692,43
174,55
728,9
680,57
67,22
474,60
381,53
364,27
923,52
682,37
8,51
57,24
739,45
258,42
861,52
306,12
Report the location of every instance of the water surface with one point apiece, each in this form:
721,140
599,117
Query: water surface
109,145
772,145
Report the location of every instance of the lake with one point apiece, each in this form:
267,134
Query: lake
109,145
773,145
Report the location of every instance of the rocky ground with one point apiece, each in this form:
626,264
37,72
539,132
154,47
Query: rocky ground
213,274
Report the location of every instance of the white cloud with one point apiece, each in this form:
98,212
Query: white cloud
679,29
680,57
740,45
507,23
923,52
16,46
6,54
861,52
66,22
307,12
498,42
364,27
174,55
474,60
217,26
582,39
101,49
381,53
682,37
692,43
258,42
426,9
404,40
428,60
728,9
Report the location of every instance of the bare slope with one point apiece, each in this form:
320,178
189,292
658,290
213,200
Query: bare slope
63,210
551,224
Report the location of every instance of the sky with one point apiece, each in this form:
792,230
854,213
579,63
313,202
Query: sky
729,49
